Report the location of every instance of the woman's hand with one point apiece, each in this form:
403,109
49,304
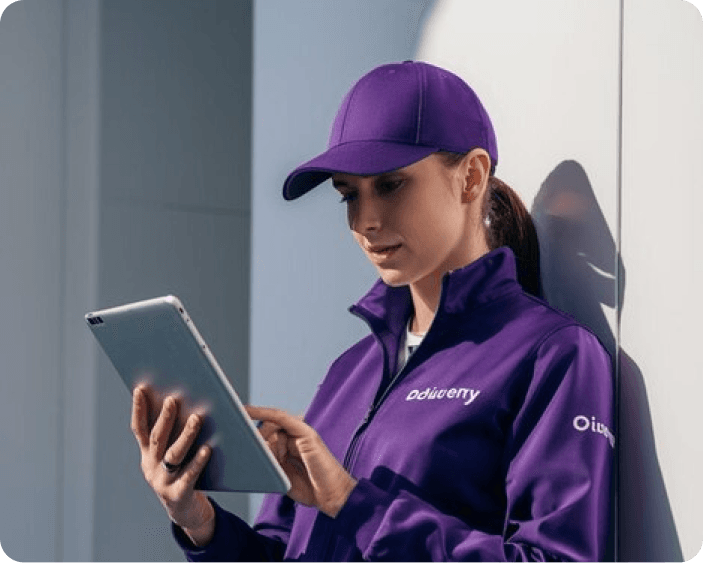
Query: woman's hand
162,466
317,478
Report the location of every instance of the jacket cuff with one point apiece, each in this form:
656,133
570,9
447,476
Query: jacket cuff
362,514
219,548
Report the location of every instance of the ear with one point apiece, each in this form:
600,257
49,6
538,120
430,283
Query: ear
475,169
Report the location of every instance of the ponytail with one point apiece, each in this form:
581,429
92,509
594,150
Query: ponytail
508,223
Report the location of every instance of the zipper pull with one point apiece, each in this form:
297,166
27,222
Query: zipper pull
368,415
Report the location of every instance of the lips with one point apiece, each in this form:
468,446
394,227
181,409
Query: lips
382,248
382,251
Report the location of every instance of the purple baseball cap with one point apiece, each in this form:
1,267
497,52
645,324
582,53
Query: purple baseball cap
393,116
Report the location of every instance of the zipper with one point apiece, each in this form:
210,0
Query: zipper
353,444
350,454
347,464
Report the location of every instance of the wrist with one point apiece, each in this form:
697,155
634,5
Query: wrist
336,504
203,533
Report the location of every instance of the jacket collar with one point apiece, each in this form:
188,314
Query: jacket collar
387,309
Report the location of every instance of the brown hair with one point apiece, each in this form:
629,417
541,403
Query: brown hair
508,223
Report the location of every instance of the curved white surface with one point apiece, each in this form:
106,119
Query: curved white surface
604,141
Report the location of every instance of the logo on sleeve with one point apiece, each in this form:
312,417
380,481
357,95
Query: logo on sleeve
584,424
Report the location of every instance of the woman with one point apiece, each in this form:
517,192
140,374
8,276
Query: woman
474,422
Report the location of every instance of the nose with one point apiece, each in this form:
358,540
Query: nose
365,215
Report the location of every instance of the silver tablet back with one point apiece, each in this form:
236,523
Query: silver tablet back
155,342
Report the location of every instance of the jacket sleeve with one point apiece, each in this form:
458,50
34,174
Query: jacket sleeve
559,460
235,540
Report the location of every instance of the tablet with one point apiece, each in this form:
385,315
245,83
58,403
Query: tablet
155,343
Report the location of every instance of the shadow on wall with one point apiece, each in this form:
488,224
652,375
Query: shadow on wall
578,273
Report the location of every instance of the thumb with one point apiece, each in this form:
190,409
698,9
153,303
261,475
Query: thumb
293,425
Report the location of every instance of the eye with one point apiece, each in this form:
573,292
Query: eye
389,186
348,197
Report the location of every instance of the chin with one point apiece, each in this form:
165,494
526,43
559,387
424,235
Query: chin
394,278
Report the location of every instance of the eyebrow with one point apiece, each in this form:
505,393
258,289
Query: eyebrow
339,184
381,178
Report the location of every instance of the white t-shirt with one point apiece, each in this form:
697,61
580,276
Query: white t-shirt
411,342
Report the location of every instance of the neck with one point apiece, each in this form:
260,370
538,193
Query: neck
426,293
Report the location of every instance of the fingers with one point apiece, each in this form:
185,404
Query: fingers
293,425
267,429
185,506
284,433
158,440
155,444
178,450
278,444
139,424
276,439
195,467
175,489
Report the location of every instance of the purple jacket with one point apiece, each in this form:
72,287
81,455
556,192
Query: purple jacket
494,442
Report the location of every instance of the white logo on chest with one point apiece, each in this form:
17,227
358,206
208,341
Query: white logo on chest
460,393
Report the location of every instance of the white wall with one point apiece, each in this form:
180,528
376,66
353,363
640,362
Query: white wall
550,84
551,73
548,73
661,240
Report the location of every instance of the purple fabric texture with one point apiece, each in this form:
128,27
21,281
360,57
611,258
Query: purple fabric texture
393,116
495,442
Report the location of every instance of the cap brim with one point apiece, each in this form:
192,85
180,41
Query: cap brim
363,158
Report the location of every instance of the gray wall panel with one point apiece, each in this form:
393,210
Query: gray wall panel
198,257
31,196
174,218
176,87
80,275
201,257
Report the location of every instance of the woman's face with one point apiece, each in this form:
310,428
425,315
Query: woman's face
413,223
